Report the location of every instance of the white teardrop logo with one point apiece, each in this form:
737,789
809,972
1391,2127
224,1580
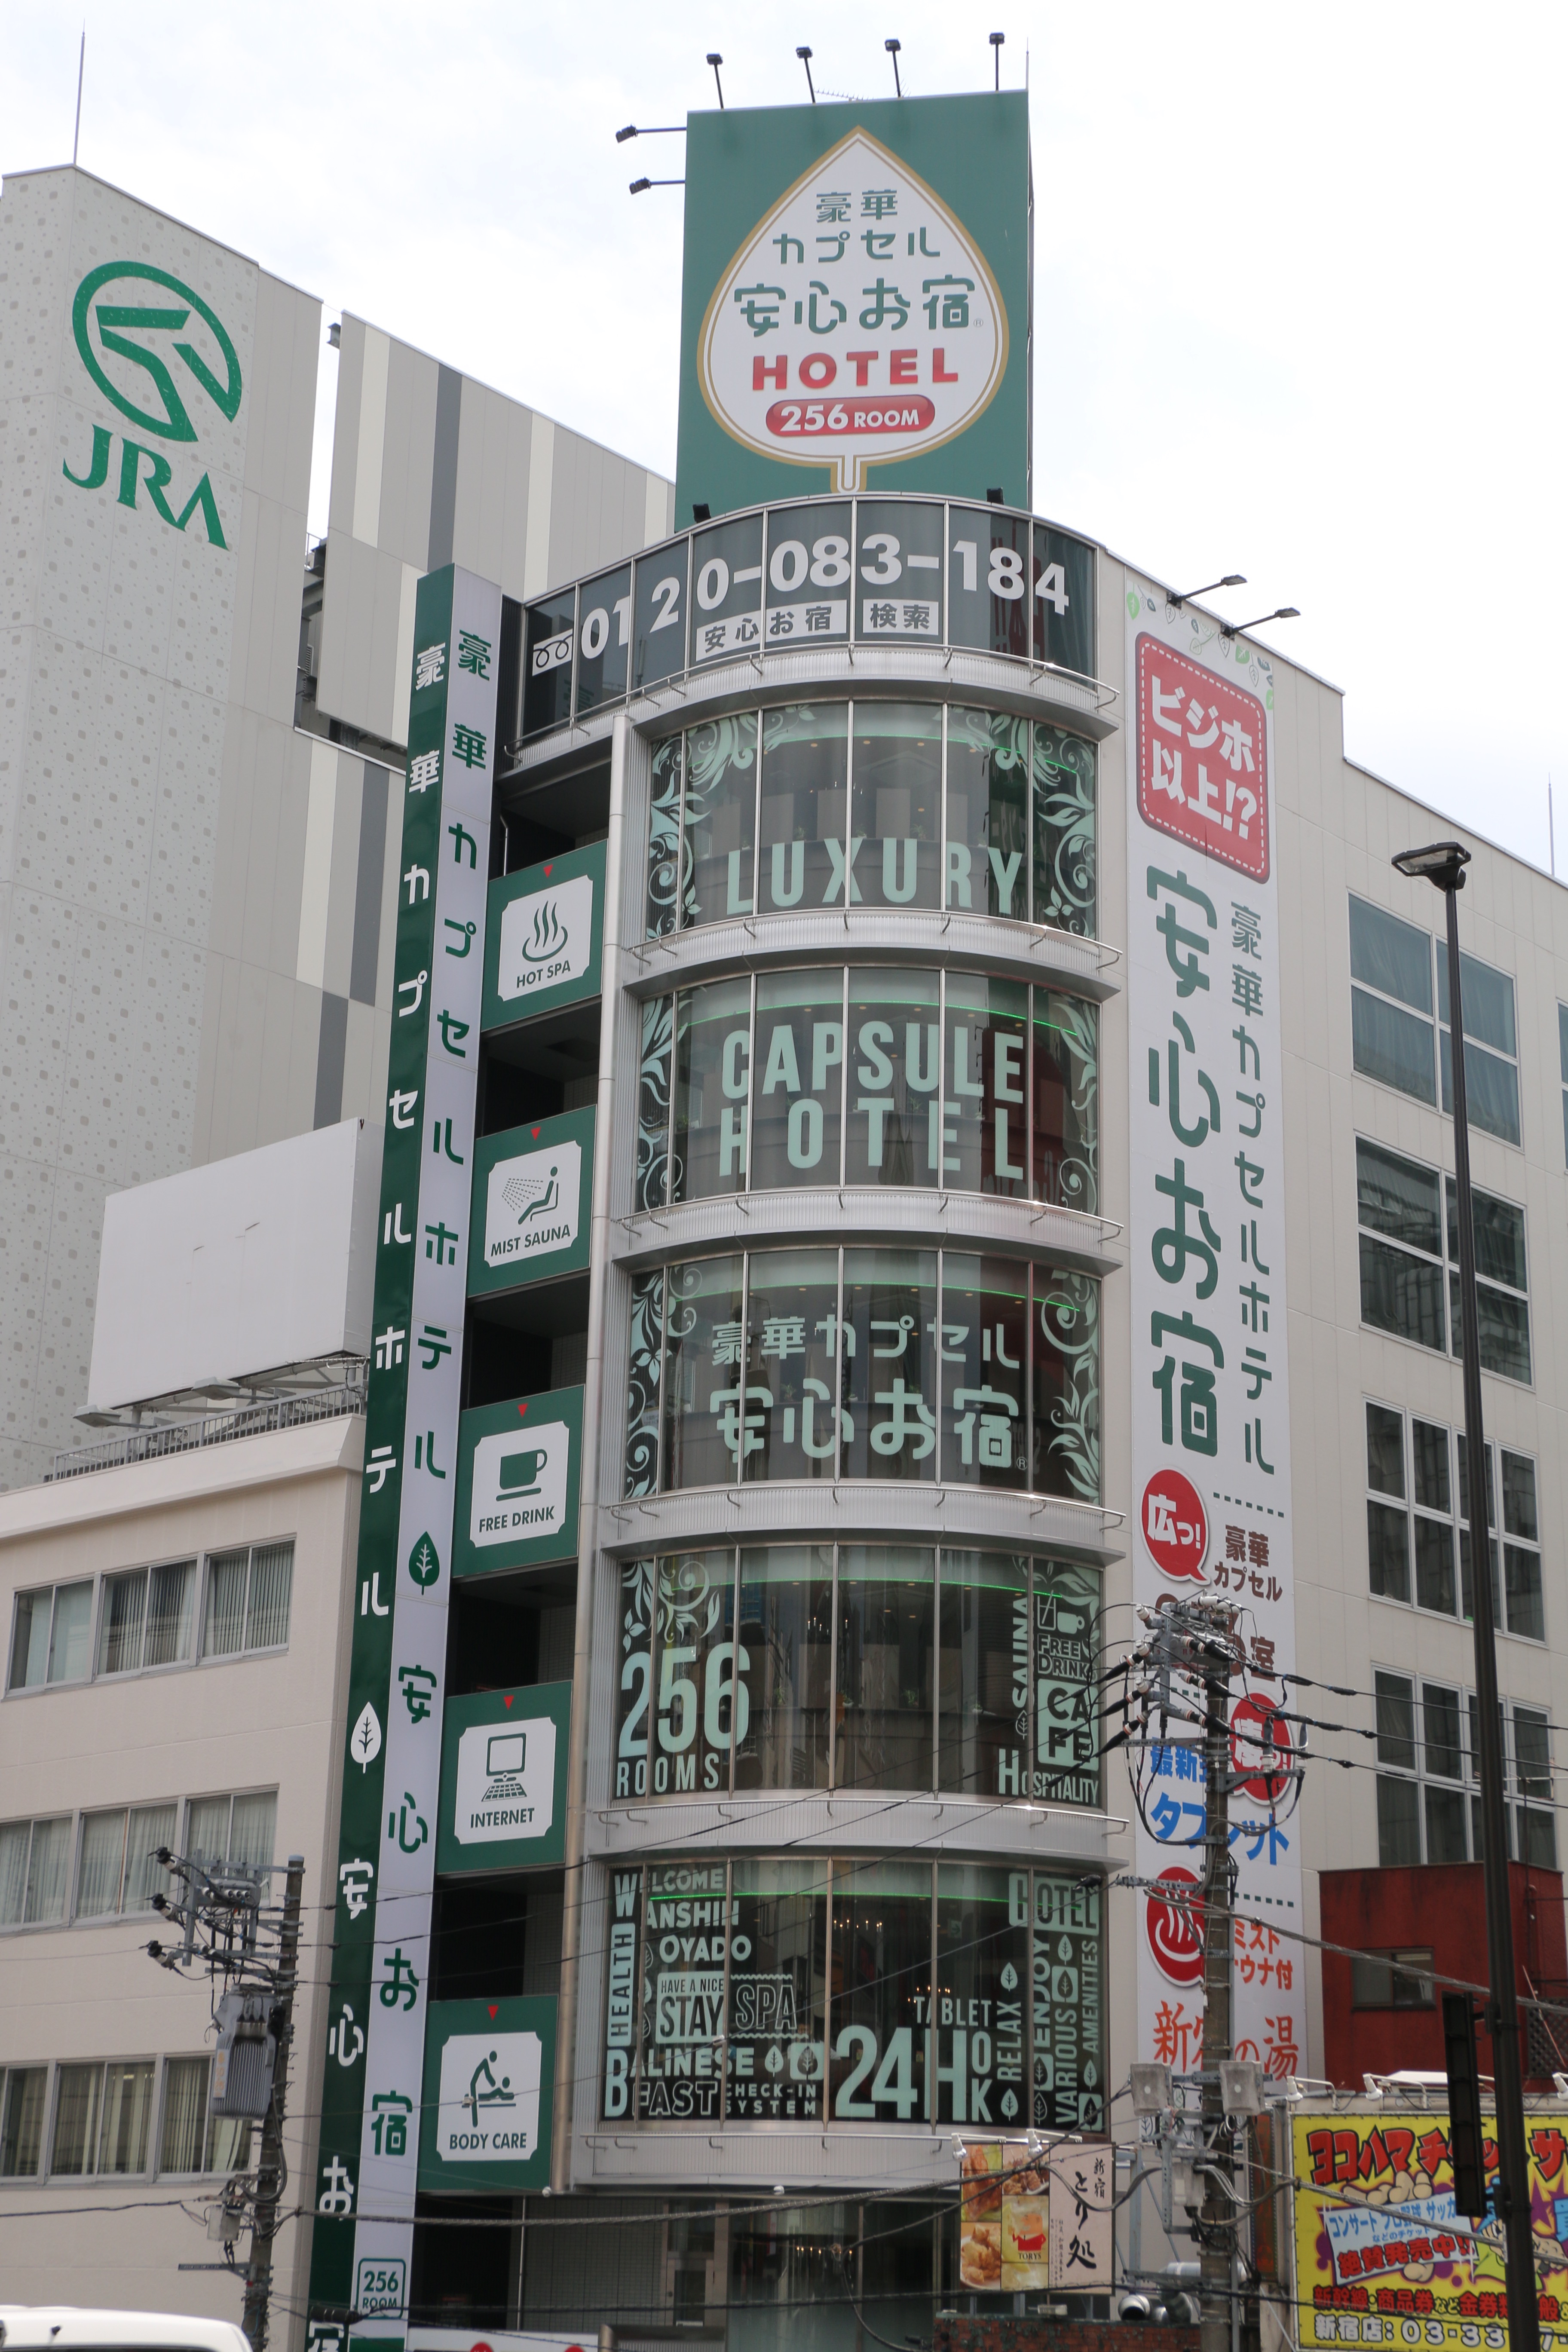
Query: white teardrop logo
858,324
364,1740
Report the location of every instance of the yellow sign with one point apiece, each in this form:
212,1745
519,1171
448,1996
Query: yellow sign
1382,2256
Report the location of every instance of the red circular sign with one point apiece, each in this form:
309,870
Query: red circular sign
1175,1927
1260,1736
1175,1530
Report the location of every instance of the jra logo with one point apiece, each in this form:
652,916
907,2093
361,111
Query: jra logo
121,342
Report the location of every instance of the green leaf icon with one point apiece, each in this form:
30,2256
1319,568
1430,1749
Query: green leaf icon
424,1563
1131,605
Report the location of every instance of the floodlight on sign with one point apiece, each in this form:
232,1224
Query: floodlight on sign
1240,2087
1151,2087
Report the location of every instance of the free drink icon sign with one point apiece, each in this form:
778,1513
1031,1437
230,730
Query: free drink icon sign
1175,1527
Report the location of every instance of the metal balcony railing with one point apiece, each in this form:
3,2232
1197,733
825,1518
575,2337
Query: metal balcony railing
258,1419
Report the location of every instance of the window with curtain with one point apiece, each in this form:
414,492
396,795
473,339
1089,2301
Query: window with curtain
35,1872
115,1870
247,1599
22,2122
233,1829
192,2140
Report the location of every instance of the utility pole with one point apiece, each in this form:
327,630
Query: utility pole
1180,1672
1217,1652
270,2169
227,1937
1443,864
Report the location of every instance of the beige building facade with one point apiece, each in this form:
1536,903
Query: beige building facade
177,1675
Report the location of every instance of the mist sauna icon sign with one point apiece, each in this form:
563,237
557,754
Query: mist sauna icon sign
546,940
858,324
532,1203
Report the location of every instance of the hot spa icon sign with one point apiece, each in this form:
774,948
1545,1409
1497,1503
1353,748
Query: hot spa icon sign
858,324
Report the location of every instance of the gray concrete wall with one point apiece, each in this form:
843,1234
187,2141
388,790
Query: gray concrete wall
142,666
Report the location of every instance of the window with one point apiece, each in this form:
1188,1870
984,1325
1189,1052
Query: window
115,1873
1427,1806
1419,1522
874,805
858,1666
247,1599
1408,1220
857,1971
1392,1980
146,1617
823,1363
192,2139
35,1872
22,2104
115,1868
233,1829
53,1636
881,1078
103,2114
1392,1032
1391,1011
1491,1077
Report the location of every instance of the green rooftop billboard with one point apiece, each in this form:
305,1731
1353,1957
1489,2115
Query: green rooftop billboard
872,326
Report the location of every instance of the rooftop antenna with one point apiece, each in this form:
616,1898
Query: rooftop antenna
715,60
892,48
996,41
805,57
81,70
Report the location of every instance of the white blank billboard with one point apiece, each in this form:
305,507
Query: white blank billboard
235,1268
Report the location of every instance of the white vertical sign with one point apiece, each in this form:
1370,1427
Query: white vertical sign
442,1112
1211,1461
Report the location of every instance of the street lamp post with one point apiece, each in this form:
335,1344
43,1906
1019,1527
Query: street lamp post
1443,864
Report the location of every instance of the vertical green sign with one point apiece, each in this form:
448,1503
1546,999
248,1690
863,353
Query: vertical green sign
364,2190
871,326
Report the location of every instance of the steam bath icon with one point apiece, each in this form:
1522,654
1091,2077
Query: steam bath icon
549,937
531,1196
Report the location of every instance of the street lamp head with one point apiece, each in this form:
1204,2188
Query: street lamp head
1442,863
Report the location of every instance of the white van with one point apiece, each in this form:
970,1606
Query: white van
61,2327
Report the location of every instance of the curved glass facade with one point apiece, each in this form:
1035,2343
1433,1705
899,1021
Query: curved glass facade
878,1987
875,805
885,1666
867,1075
812,575
822,1363
854,1992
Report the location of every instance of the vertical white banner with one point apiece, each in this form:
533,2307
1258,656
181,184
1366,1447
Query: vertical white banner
458,782
1211,1417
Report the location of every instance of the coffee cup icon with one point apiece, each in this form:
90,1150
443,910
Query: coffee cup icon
519,1473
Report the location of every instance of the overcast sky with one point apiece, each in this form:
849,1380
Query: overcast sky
1299,276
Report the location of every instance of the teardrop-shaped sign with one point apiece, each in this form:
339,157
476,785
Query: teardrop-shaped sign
424,1563
858,324
364,1740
